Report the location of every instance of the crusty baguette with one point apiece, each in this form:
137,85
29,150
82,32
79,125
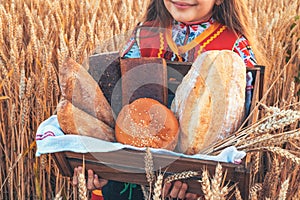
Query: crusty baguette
210,100
72,120
78,87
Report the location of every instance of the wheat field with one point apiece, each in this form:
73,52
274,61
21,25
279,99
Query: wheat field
36,36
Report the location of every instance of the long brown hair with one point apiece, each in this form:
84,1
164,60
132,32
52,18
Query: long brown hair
232,13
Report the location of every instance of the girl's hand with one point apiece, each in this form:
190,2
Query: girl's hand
178,191
93,182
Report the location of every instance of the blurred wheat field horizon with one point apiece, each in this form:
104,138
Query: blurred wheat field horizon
36,36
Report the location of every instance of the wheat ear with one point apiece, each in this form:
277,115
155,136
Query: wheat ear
205,185
284,189
149,166
148,159
82,190
158,187
237,194
281,152
254,190
217,180
180,176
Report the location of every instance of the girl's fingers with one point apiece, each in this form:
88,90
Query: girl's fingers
166,189
74,179
182,191
90,180
175,190
99,183
191,196
93,182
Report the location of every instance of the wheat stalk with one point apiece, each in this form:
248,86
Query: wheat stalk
214,188
283,190
273,183
206,186
237,194
281,152
269,183
254,190
277,120
217,181
180,176
146,192
256,165
82,189
269,140
296,196
158,187
149,166
148,159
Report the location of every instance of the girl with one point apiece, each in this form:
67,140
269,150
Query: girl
179,30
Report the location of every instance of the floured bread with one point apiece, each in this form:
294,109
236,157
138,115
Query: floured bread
209,102
78,87
73,120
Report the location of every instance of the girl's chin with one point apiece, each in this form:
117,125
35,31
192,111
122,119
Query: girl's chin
186,20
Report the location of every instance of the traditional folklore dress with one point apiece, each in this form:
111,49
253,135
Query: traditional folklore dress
185,42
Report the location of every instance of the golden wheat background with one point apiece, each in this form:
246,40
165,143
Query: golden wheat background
35,37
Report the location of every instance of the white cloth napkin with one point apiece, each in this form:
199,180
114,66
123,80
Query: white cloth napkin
50,139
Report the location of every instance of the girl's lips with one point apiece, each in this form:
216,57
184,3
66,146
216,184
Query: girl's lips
182,5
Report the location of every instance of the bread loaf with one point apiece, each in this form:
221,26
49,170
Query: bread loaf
209,102
78,87
147,123
72,120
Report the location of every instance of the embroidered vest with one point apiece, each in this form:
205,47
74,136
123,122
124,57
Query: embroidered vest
155,42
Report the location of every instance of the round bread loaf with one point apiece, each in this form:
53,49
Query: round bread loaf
209,102
147,123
